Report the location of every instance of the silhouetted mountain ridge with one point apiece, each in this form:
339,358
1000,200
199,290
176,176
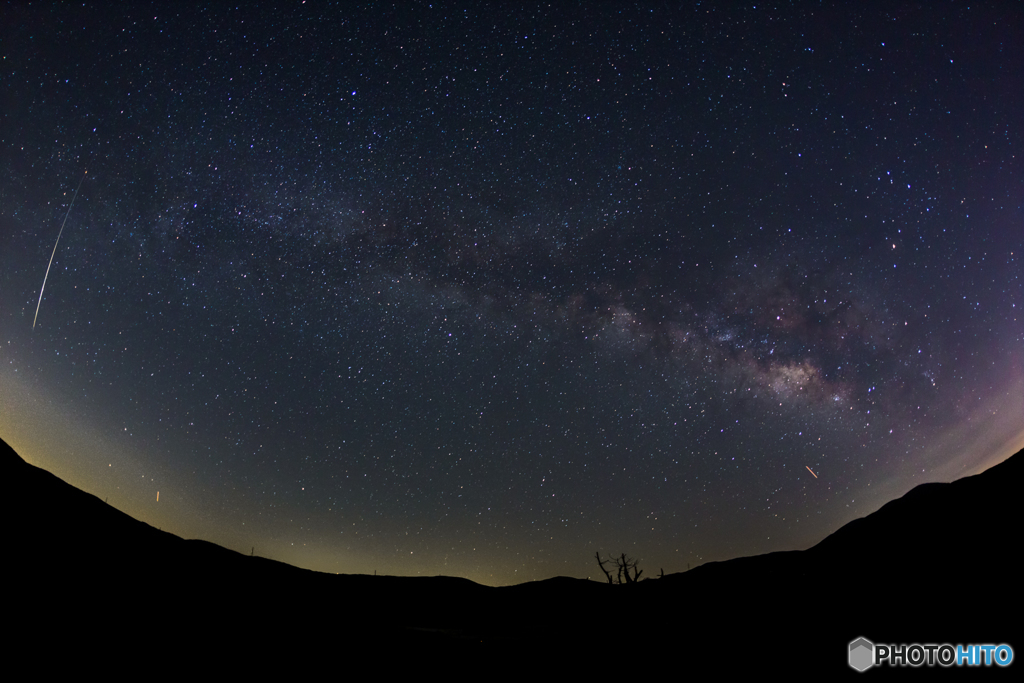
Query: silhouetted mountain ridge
911,572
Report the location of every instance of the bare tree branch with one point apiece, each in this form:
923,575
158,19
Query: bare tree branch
600,563
623,565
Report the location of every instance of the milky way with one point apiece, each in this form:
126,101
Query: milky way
445,289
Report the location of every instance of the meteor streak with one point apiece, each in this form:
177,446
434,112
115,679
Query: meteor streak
63,223
811,471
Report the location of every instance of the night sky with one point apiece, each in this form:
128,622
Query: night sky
482,290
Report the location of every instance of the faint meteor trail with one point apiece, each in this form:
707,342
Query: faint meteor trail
63,223
811,471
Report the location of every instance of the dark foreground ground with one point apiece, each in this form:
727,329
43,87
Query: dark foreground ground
88,588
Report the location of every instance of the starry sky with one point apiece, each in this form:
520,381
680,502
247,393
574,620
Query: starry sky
478,290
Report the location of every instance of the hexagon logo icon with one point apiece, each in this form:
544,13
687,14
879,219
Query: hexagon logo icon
862,654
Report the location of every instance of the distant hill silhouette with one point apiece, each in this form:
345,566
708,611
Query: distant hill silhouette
90,585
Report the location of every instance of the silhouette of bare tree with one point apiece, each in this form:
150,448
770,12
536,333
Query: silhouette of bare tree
623,565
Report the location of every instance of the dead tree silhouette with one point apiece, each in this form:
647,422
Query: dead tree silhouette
623,565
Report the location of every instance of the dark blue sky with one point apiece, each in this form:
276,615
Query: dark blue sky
481,291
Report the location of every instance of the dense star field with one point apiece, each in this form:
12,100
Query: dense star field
482,290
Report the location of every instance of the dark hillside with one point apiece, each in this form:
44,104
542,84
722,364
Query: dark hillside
937,565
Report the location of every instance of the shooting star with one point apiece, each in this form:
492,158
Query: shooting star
811,471
63,223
